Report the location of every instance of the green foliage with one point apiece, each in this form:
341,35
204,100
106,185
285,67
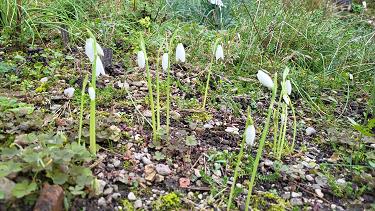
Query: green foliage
24,188
46,155
169,201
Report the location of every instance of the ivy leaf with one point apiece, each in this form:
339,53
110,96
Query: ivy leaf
9,167
159,156
23,188
58,177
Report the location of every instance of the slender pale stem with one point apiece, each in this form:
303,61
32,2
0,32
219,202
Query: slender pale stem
261,144
207,85
81,108
93,105
150,92
294,126
239,158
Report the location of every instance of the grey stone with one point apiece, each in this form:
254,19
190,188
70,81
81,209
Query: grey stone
138,204
310,131
101,186
146,161
108,191
309,178
319,193
296,202
116,196
101,201
131,196
296,195
163,169
6,186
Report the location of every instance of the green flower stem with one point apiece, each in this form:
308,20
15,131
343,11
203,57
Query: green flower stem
239,158
168,89
294,127
81,108
150,92
261,144
93,103
209,74
282,133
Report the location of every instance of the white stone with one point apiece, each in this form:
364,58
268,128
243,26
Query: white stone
131,196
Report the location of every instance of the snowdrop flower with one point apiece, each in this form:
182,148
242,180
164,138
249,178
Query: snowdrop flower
351,76
180,53
69,92
364,4
265,79
217,2
89,49
99,67
141,59
91,91
165,61
250,135
286,99
288,87
219,53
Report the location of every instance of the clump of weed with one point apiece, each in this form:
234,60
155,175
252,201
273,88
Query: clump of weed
167,202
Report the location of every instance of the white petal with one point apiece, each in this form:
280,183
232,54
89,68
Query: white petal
219,53
141,59
364,4
180,53
351,76
352,121
44,80
286,99
165,61
69,92
250,135
217,2
99,67
91,93
288,87
89,49
265,79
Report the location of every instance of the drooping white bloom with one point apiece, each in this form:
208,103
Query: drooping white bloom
217,2
286,99
69,92
219,54
352,121
364,4
91,91
265,79
99,67
89,49
250,135
351,76
288,87
141,59
180,53
165,61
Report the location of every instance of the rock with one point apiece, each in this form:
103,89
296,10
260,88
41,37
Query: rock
101,186
51,198
159,178
138,204
146,161
101,201
319,193
184,182
208,126
6,186
116,163
309,178
139,83
286,195
341,181
163,169
200,196
131,196
296,195
108,191
296,202
116,196
232,130
175,115
321,181
268,163
150,172
197,173
147,113
310,131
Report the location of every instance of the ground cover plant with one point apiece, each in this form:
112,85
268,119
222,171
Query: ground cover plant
187,105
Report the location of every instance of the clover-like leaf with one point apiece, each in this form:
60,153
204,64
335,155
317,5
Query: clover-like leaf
24,188
191,141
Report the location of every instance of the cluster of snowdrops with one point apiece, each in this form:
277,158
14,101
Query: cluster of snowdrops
278,113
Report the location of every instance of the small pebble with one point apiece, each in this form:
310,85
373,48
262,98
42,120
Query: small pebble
101,201
309,178
319,193
310,131
138,204
296,195
131,196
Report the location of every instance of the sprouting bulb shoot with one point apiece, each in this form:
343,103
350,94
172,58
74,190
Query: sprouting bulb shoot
141,59
265,79
165,61
180,53
219,54
91,91
250,135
